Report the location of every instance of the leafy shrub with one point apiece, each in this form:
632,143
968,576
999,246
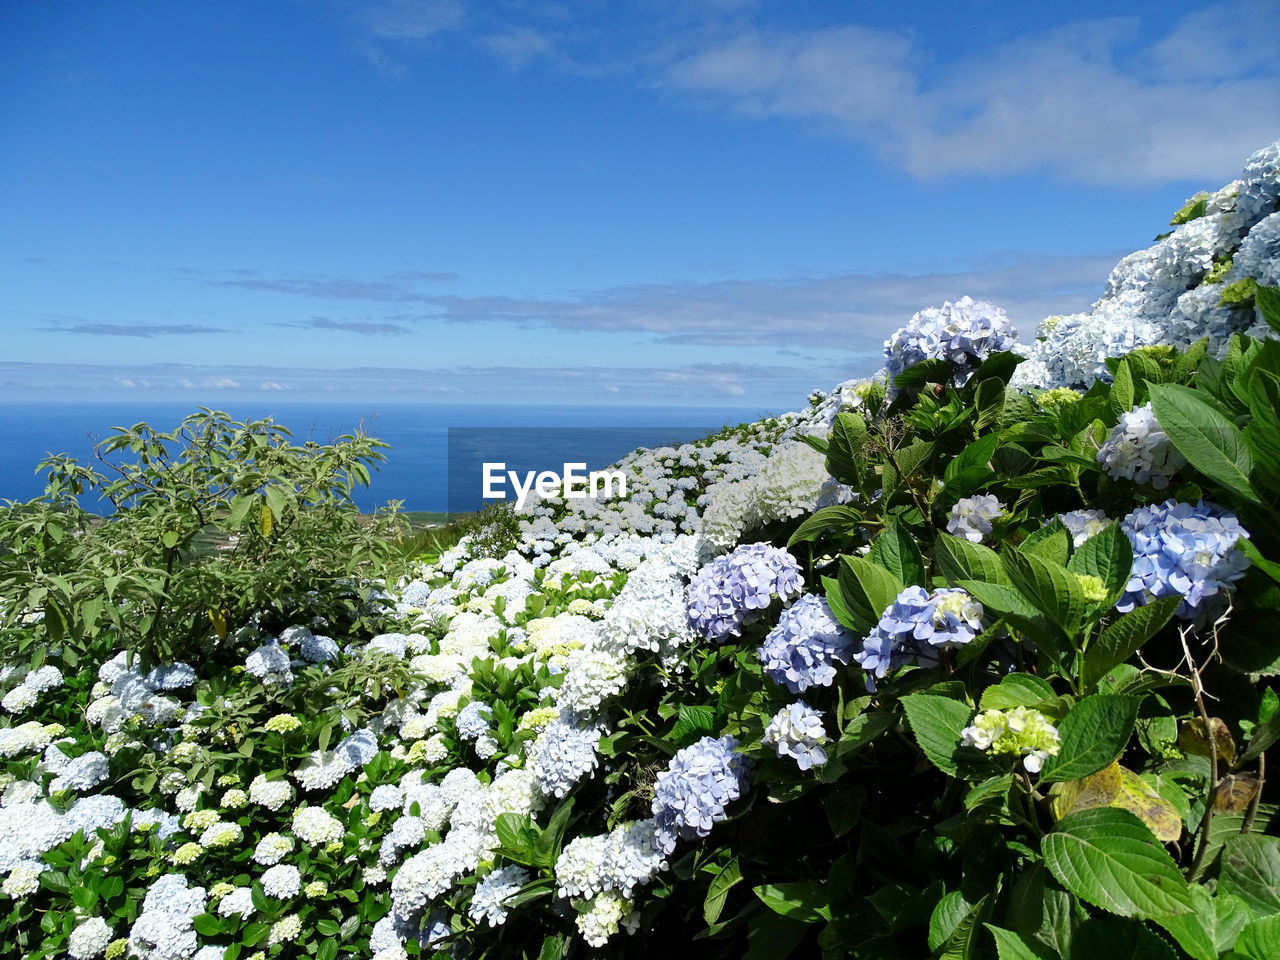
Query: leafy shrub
214,523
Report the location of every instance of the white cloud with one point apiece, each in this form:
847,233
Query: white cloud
1095,101
186,384
220,383
272,385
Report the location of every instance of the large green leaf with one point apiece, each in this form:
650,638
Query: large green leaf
1052,587
840,516
1210,442
1016,690
1115,939
937,723
1107,555
803,900
724,881
848,434
896,551
958,559
867,589
1123,638
1108,857
1259,940
1094,734
969,472
1202,932
1010,946
1251,871
1267,300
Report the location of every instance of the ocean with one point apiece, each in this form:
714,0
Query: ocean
417,469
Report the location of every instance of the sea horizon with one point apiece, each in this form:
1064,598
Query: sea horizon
416,469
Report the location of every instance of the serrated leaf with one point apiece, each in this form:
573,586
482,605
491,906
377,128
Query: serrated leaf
1052,587
1210,442
1122,638
896,551
1010,946
1251,871
1122,394
867,589
937,723
1119,787
1110,859
1093,734
1267,300
839,516
1107,555
1016,690
958,559
848,434
1259,940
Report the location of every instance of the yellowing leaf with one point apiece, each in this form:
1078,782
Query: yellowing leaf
1193,739
266,520
1119,787
1234,794
219,620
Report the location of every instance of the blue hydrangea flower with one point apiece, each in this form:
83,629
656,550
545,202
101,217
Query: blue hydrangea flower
1138,450
473,720
692,794
317,648
972,517
1186,550
736,588
174,676
916,627
965,332
1083,524
562,754
796,731
270,664
357,749
802,650
95,813
489,902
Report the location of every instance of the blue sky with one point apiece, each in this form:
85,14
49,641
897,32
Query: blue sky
658,201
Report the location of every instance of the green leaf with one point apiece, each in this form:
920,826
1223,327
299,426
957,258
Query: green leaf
867,589
1251,871
1115,939
1010,946
1267,300
926,371
1210,442
276,502
1020,612
1016,690
1195,931
958,559
848,434
840,610
1264,735
1123,637
1093,735
729,876
1053,588
695,721
988,398
1109,858
1107,555
970,471
1051,542
1260,940
839,516
802,900
896,551
328,950
937,723
1122,394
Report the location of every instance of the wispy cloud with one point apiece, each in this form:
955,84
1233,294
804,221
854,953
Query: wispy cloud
401,286
144,330
366,328
852,312
1098,101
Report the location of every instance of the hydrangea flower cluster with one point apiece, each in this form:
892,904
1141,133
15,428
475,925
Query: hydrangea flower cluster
803,649
796,731
563,754
736,588
965,332
1083,524
1139,450
916,627
488,904
1020,731
1181,549
972,517
693,793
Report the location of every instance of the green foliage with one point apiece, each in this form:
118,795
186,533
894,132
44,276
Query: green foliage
211,523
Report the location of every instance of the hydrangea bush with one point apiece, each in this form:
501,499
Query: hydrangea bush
938,666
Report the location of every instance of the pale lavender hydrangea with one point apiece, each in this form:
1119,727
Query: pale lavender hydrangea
1083,524
270,664
693,793
916,626
796,731
1139,450
488,903
473,720
965,332
972,517
173,676
803,649
736,588
1183,550
562,754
